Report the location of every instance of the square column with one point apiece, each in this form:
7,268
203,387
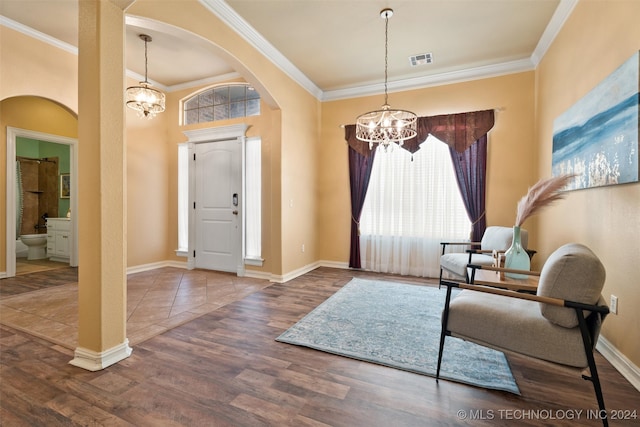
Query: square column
102,280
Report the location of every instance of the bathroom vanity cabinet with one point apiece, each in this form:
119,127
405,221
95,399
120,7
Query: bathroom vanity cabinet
59,239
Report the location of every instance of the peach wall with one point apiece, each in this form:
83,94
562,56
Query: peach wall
299,201
32,67
596,39
511,157
148,179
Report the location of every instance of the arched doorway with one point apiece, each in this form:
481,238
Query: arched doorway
42,120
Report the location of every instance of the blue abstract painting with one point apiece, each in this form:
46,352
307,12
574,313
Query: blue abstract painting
597,138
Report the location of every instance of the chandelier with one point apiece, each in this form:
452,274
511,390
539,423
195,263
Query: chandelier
146,100
387,125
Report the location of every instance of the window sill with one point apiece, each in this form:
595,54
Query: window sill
182,252
254,261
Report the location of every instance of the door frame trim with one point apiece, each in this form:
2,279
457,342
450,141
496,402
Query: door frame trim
12,134
207,135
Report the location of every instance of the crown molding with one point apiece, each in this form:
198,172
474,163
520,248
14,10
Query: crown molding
560,16
227,15
487,71
9,23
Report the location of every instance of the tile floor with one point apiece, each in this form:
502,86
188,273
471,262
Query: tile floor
157,300
24,266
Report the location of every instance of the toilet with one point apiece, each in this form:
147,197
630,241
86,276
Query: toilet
36,244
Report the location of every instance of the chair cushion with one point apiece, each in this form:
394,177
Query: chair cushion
456,263
500,238
511,324
573,272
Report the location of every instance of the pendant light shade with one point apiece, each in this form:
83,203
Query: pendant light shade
387,125
143,98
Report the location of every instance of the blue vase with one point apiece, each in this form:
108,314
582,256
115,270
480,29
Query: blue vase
516,257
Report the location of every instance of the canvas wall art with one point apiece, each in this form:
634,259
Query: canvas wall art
597,138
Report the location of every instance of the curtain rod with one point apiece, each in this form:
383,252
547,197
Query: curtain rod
495,110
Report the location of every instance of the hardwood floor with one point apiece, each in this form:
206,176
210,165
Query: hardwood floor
226,369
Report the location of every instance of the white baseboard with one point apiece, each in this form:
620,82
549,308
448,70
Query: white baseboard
619,361
3,275
96,361
295,273
154,265
335,264
255,274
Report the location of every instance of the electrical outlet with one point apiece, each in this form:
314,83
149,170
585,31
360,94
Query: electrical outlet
303,247
613,304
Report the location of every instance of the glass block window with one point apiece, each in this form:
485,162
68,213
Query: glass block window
221,103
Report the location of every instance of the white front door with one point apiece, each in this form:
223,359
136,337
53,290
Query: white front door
218,181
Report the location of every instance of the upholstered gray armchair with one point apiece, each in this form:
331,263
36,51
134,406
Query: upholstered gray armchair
560,323
495,239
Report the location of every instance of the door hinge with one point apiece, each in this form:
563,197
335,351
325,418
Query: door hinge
194,205
194,156
194,254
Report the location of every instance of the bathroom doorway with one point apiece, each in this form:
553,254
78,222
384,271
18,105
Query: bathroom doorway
41,146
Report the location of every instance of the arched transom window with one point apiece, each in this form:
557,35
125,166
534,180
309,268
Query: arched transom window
221,103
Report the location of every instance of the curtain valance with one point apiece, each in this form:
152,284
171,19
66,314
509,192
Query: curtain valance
459,131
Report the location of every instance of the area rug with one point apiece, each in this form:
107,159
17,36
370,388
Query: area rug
398,325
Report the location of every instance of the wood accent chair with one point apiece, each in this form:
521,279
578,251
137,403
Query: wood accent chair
495,240
560,323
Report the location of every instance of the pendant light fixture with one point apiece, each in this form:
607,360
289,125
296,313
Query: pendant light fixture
387,125
146,100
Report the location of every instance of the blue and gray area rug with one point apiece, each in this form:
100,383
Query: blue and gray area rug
397,325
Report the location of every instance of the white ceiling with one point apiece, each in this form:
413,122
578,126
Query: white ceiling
335,49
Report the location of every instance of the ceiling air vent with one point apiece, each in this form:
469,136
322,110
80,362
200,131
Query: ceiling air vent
422,59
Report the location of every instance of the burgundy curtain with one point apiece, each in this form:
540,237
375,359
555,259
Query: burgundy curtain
359,174
471,171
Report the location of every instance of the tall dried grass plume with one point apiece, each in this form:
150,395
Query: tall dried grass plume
541,194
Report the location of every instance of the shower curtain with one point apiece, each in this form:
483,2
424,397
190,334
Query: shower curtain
18,199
